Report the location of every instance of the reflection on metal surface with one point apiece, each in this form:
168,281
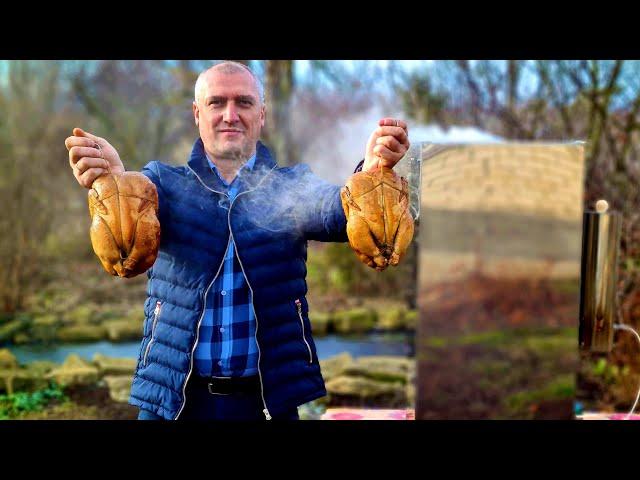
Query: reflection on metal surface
499,280
600,240
409,168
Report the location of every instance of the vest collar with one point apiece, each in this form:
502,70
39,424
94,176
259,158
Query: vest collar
249,178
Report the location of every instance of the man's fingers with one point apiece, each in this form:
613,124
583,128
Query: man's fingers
390,142
81,133
401,134
393,122
86,159
86,163
75,141
80,138
87,178
76,153
385,154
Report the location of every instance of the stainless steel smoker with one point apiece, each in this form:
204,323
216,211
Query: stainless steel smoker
598,285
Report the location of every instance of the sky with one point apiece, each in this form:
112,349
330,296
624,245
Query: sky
409,65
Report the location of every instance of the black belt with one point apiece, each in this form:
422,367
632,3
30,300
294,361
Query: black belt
228,385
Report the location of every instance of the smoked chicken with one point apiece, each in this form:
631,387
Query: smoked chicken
125,231
379,223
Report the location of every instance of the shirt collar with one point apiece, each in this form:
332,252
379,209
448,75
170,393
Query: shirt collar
248,165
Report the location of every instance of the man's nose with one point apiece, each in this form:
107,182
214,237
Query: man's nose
230,114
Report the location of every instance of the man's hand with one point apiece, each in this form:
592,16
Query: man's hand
387,144
88,161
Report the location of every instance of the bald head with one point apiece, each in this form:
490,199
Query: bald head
227,68
229,112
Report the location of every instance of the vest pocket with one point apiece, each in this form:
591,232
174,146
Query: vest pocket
299,307
156,314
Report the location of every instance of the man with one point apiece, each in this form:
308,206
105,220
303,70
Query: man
226,331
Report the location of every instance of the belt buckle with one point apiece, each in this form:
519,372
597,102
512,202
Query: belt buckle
210,384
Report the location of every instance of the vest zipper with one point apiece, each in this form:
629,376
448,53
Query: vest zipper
204,308
299,305
195,343
265,410
156,313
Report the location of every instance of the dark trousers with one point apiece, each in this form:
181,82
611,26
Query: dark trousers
203,405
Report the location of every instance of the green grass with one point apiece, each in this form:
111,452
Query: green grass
20,403
535,339
562,387
569,285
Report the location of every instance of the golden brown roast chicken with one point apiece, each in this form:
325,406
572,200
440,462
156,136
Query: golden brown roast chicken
125,231
379,223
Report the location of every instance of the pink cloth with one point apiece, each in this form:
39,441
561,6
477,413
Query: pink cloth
606,416
367,414
623,416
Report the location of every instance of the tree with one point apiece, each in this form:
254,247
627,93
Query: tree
31,152
142,107
279,88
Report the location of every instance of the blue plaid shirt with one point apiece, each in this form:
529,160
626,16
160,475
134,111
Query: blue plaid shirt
226,341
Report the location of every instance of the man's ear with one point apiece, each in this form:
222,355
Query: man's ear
263,114
196,114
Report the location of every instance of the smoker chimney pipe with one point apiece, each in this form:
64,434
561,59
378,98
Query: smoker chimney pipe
598,299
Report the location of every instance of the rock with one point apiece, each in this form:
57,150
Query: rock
114,366
391,319
19,379
411,319
7,359
81,333
56,301
122,330
119,387
74,371
372,380
380,368
21,338
8,370
29,378
104,313
12,327
357,320
364,388
80,315
320,323
40,368
44,328
334,366
7,379
45,320
135,316
312,410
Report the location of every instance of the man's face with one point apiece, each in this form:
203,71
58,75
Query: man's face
229,115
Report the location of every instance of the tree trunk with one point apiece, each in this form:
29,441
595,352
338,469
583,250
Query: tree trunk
279,84
513,72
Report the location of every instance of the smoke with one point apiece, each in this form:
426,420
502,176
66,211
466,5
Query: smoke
337,143
295,203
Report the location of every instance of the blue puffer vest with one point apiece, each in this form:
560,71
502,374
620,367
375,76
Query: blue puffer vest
270,221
